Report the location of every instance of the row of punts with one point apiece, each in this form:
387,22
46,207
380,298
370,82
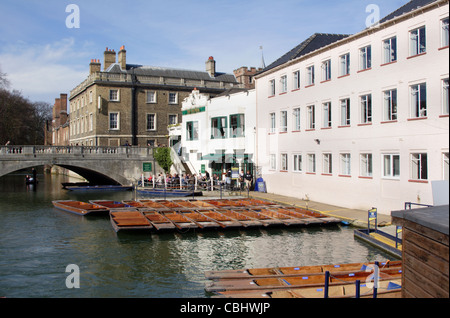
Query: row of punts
308,281
181,214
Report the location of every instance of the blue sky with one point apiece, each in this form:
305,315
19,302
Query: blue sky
43,58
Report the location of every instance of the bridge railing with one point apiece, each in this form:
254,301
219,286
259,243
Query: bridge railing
36,150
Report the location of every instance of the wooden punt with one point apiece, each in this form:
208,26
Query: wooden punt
159,221
111,204
389,288
201,204
129,220
295,270
152,204
185,204
285,218
265,219
135,204
80,208
179,220
310,280
220,218
313,214
168,204
245,220
201,220
306,219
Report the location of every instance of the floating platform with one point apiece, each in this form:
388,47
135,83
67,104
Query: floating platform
185,214
98,188
380,239
306,281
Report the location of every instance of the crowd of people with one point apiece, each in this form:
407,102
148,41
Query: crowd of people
245,180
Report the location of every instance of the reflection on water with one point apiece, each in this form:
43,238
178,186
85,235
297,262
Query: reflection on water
37,242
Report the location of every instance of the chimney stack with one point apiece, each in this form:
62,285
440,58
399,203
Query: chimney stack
123,58
211,66
63,111
94,67
109,57
56,112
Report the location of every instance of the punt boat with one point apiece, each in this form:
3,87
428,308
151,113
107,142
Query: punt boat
179,220
135,204
310,280
201,220
265,219
159,221
201,204
152,204
389,288
295,270
99,188
185,204
245,220
168,204
306,219
286,219
220,218
112,204
80,208
129,220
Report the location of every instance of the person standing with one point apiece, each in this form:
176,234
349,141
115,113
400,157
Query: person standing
248,180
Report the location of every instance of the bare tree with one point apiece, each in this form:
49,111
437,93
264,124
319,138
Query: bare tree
4,83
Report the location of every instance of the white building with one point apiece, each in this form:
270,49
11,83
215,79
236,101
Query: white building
219,133
360,121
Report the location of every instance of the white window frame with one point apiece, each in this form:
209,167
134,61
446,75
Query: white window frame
283,162
297,162
327,163
296,119
345,164
150,97
389,166
390,107
365,58
310,76
91,122
326,70
366,165
284,85
171,102
444,32
344,63
419,166
390,50
273,161
417,92
345,112
272,90
366,108
326,114
311,117
148,122
311,163
272,123
296,80
117,121
417,41
445,97
283,121
173,116
114,97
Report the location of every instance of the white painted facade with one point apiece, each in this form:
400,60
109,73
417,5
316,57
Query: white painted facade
342,150
199,111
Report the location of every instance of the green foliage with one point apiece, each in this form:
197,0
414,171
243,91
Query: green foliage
162,156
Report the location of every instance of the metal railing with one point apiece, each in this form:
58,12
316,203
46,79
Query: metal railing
36,150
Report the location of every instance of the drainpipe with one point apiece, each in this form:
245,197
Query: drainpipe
134,119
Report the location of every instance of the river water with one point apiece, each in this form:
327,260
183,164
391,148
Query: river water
38,242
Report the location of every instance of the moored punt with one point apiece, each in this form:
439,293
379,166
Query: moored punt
159,221
296,270
265,219
168,204
201,204
389,288
135,204
80,208
99,188
307,280
201,220
241,218
297,215
313,214
285,218
220,218
179,220
154,205
129,220
111,204
185,204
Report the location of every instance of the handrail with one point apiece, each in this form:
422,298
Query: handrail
35,150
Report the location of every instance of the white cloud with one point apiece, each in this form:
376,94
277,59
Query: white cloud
42,72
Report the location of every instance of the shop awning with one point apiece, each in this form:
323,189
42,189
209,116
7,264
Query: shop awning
213,157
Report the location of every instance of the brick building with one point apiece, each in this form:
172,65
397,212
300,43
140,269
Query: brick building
134,104
57,132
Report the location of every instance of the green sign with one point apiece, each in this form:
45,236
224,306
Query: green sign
203,169
147,167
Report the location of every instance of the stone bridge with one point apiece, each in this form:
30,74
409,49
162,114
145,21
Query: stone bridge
99,165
